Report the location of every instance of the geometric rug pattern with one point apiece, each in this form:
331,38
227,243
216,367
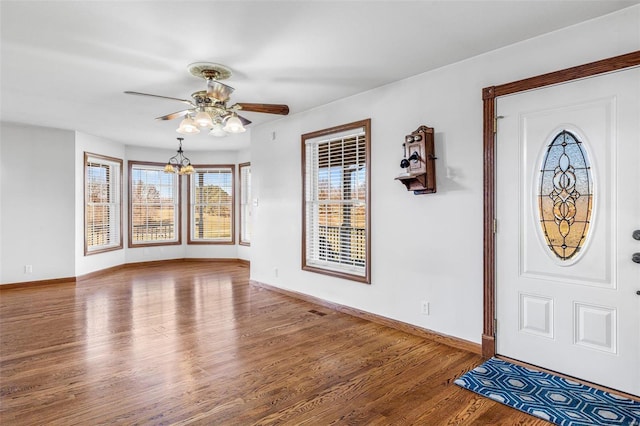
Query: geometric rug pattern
556,399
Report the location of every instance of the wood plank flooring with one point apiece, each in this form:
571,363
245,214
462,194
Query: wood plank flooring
195,343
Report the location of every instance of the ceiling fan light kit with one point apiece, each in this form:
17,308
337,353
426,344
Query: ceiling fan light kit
208,108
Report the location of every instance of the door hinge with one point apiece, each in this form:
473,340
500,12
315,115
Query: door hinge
495,123
495,327
495,225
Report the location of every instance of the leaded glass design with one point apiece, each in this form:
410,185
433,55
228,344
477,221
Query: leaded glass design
565,195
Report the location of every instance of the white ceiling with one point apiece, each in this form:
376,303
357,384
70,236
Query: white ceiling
66,64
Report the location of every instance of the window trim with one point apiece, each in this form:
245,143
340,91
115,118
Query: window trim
232,167
241,218
366,124
119,162
178,224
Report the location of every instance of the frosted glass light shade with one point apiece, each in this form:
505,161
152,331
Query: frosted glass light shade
203,119
187,170
188,127
234,125
217,131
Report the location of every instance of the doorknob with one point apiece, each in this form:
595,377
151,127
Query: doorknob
638,292
635,257
636,234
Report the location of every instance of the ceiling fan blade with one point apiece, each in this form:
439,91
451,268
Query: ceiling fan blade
219,91
175,115
243,120
265,108
128,92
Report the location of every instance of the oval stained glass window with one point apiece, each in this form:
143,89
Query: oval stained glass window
565,195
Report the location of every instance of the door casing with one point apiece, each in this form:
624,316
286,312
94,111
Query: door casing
489,95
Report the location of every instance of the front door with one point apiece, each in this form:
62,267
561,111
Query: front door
567,206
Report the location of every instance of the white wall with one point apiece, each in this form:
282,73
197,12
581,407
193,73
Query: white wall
1,192
38,203
427,247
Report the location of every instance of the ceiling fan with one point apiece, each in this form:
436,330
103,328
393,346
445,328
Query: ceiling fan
208,108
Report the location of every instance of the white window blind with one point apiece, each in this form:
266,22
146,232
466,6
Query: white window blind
155,210
103,207
211,205
336,210
245,204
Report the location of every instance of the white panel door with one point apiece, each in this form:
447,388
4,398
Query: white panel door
567,205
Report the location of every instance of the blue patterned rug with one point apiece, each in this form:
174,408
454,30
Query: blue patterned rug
549,397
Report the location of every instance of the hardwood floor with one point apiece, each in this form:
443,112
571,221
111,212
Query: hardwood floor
195,343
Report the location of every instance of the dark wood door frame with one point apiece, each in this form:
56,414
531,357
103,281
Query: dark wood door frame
489,95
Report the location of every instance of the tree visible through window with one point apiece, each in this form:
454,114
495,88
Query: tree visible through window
154,212
336,201
211,205
103,203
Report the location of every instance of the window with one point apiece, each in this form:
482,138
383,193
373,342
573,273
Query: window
211,202
565,195
154,209
102,203
245,204
336,219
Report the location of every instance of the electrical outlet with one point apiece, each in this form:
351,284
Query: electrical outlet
28,269
275,272
425,307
